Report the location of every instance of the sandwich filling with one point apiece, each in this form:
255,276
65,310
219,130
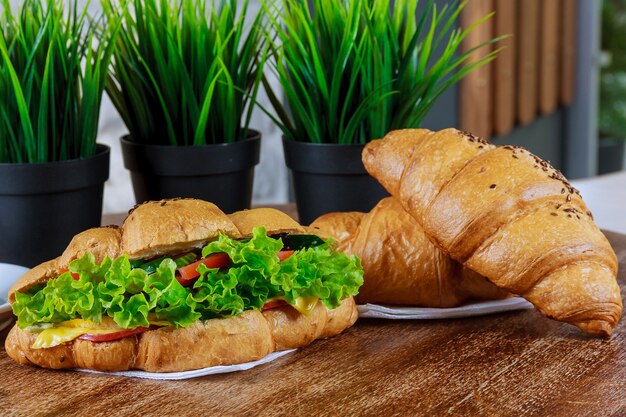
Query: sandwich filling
119,298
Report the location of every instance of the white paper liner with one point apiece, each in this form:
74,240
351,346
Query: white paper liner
423,313
212,370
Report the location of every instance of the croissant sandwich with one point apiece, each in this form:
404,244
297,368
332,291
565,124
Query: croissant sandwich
401,266
506,214
181,286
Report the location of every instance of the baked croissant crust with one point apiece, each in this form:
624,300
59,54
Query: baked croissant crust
155,228
509,216
401,266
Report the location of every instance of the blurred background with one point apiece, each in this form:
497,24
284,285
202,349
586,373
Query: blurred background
558,88
612,108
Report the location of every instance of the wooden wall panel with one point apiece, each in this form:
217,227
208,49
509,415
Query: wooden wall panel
549,56
528,60
475,99
534,71
504,67
568,50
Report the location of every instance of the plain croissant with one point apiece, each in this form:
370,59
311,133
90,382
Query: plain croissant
509,216
401,265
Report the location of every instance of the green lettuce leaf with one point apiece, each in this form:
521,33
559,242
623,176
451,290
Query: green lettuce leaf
129,295
170,300
319,272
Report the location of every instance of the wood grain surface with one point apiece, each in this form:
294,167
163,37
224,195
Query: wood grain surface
568,50
475,96
528,60
504,67
549,56
508,364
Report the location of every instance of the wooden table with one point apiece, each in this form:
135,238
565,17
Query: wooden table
505,364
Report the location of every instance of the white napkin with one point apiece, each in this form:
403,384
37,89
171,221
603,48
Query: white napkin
467,310
195,373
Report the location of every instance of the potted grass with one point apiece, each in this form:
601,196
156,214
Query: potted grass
612,97
183,77
612,121
53,68
351,72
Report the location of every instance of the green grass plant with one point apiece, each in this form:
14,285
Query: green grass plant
53,68
612,101
353,70
185,72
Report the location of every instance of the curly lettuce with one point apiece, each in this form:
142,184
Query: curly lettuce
129,295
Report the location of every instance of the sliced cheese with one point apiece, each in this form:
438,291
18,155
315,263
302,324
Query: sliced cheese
67,331
71,329
305,305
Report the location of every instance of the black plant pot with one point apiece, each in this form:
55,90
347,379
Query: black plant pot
610,155
329,178
42,206
222,173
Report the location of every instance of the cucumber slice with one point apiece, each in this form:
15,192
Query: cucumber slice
151,267
186,259
297,242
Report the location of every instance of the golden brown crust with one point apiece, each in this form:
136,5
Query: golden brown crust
509,216
170,226
13,346
227,341
166,227
243,338
101,242
292,329
118,355
588,308
35,276
339,226
401,266
397,146
274,221
340,318
160,227
18,346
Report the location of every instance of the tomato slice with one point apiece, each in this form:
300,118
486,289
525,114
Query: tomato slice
109,337
189,272
273,304
215,260
284,254
75,276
